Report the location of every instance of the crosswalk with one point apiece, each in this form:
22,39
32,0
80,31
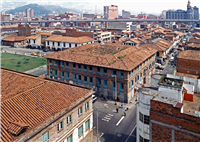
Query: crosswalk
107,118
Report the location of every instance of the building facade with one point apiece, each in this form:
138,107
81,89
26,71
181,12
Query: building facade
111,12
24,30
126,14
97,67
188,61
46,110
64,42
190,13
21,15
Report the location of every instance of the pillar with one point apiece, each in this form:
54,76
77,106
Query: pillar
179,26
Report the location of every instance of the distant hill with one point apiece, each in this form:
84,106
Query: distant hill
40,9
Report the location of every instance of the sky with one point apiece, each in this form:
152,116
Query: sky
134,6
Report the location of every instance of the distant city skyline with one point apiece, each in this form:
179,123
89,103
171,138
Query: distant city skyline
135,7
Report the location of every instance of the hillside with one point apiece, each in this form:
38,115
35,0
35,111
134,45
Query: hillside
41,9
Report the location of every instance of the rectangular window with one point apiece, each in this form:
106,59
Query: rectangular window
146,119
121,74
114,86
121,87
90,69
55,63
80,111
55,73
70,139
70,45
135,79
79,67
138,78
130,74
105,84
98,70
140,75
114,72
47,42
69,119
74,66
67,76
62,64
62,74
87,124
63,44
141,116
79,79
90,81
60,126
145,140
75,45
85,79
80,131
58,43
87,106
53,43
98,82
67,65
50,62
45,136
85,68
132,83
51,72
104,71
74,77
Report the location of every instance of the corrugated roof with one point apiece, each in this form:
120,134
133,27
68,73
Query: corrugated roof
82,39
32,101
101,55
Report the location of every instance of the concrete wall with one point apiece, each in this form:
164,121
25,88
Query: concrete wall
116,25
72,128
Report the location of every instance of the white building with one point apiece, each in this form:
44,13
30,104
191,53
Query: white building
63,42
105,37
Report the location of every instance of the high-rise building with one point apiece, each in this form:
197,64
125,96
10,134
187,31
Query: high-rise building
31,13
196,12
111,12
21,15
28,15
126,14
190,13
2,12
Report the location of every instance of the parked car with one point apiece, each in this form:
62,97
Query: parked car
93,98
160,68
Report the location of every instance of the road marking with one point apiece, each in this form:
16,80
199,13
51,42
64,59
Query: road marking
105,120
101,135
131,133
110,114
120,121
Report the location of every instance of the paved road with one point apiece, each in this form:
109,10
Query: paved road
25,50
39,72
109,131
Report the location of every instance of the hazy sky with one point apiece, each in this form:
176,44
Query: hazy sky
148,6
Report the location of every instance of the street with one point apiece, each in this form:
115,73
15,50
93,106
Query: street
113,126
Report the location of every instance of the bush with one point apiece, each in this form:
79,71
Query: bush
18,62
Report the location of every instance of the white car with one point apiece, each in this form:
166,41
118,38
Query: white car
93,98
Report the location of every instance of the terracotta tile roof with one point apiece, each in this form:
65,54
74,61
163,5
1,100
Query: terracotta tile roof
44,33
134,40
190,54
164,43
197,45
100,55
33,37
27,101
153,46
82,39
14,38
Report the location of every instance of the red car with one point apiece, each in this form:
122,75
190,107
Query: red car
158,67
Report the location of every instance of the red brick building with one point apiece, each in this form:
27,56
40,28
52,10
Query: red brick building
188,61
24,30
96,66
40,110
174,121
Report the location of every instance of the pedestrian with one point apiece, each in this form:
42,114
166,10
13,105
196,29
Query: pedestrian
126,107
122,105
124,114
117,109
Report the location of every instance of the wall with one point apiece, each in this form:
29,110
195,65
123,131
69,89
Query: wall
71,128
116,25
167,123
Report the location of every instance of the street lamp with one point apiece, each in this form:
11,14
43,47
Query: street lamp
115,76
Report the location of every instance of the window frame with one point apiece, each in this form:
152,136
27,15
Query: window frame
87,106
80,111
44,137
60,126
69,119
79,135
87,123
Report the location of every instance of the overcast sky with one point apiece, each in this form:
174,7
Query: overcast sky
134,6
